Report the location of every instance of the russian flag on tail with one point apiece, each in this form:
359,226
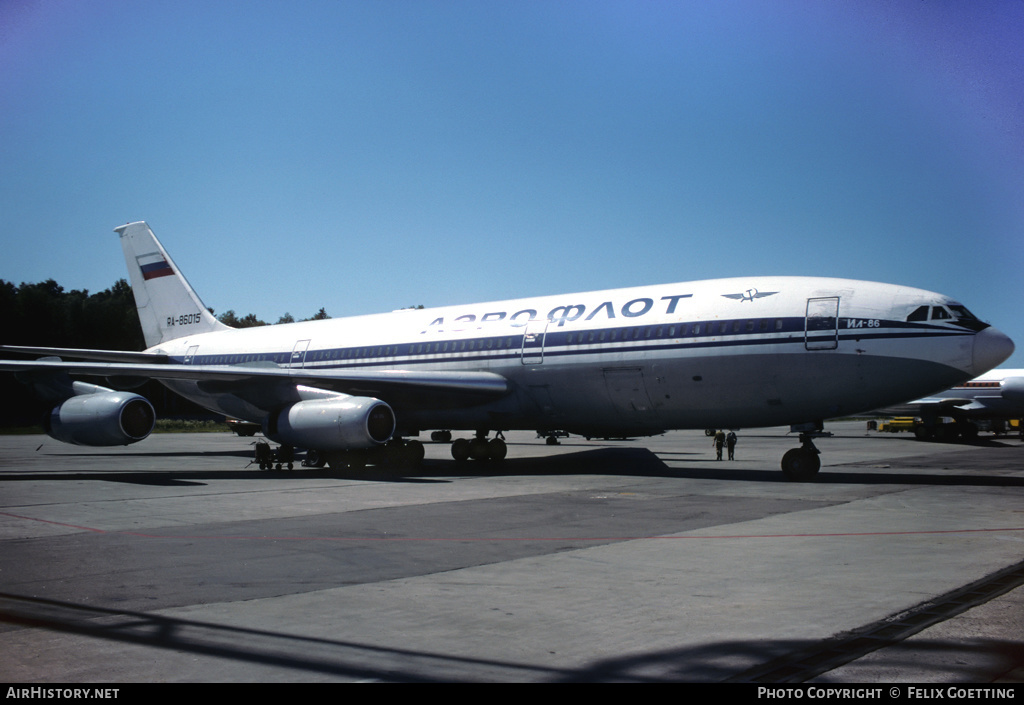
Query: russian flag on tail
154,266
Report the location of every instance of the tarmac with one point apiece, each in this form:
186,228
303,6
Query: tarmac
176,560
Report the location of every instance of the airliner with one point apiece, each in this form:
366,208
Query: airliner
725,353
995,395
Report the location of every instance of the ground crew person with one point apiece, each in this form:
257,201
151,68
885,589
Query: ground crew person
730,442
719,442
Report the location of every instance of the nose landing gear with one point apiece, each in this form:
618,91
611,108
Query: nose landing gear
802,464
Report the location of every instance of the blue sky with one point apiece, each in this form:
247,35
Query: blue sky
364,156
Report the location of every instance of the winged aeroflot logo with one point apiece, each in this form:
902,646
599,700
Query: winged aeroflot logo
750,295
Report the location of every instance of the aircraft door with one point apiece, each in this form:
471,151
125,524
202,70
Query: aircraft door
821,330
533,342
189,354
299,353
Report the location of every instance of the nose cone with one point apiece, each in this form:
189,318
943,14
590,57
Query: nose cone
991,348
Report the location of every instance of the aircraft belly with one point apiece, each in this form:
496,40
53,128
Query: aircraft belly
744,390
820,386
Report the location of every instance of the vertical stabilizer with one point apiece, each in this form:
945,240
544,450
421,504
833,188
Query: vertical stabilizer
168,307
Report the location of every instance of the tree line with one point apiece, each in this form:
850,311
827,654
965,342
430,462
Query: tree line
44,314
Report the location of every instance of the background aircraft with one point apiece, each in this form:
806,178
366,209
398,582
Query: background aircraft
988,400
759,351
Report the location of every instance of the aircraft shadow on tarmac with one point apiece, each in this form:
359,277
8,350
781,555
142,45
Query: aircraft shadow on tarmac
621,461
736,661
239,453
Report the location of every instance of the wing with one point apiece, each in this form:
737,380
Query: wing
88,354
267,385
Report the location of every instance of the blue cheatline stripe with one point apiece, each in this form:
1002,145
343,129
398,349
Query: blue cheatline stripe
565,344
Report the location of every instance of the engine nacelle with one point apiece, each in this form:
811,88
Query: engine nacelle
102,419
338,423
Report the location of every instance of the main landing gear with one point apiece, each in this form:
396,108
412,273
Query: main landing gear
802,464
479,447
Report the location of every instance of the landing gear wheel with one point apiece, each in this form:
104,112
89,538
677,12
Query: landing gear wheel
416,452
800,465
478,449
460,449
314,459
496,449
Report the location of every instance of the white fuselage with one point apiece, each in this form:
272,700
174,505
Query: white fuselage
721,353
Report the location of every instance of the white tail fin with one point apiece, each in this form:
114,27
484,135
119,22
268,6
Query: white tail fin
168,306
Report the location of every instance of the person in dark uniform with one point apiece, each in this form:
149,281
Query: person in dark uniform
730,443
719,442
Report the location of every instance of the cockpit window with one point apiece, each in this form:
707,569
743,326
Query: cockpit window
967,319
950,312
919,314
961,313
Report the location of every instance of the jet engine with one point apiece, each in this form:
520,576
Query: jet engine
338,423
101,419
